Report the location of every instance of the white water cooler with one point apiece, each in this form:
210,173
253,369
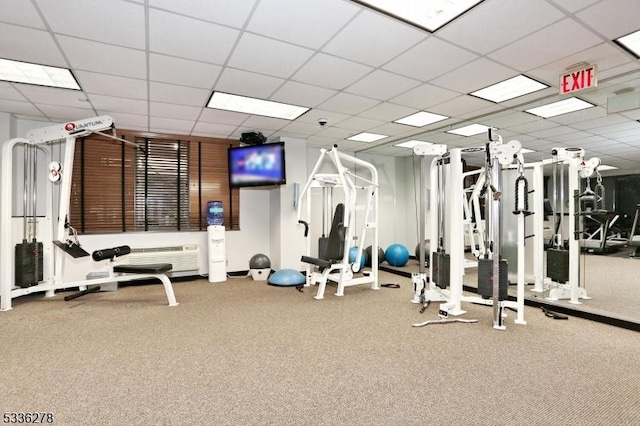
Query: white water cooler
217,254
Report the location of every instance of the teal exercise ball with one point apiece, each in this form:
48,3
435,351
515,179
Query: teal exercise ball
353,252
287,278
396,255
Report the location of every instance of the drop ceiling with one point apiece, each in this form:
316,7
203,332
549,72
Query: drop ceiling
152,65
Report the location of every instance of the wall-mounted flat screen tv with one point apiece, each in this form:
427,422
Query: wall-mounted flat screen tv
257,165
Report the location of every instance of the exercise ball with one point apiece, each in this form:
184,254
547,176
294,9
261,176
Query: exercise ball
353,252
259,261
396,255
426,252
287,278
369,251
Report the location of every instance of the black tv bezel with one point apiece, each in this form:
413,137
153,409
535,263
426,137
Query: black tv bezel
282,181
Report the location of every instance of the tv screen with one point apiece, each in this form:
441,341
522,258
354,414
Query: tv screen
257,165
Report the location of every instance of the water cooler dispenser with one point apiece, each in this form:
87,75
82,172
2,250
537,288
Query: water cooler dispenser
216,242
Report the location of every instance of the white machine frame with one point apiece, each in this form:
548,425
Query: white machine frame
501,156
343,272
54,228
578,168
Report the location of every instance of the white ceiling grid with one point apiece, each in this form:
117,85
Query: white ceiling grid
153,65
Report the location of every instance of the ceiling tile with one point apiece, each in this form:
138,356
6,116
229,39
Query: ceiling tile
54,96
330,72
359,123
190,38
247,83
474,76
98,57
266,56
359,43
607,120
182,112
17,107
382,85
424,96
62,113
213,129
556,41
462,105
170,93
348,104
232,13
268,123
103,84
388,112
219,116
309,24
129,122
313,115
108,104
612,18
9,92
85,19
21,13
167,69
484,29
171,125
574,5
29,45
420,61
301,94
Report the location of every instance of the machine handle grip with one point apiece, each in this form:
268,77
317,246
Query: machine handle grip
306,227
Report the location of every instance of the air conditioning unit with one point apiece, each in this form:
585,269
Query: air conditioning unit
183,257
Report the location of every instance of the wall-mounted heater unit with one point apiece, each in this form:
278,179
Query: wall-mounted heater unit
183,257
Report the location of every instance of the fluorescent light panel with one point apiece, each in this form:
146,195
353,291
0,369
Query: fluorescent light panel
410,144
255,106
561,107
631,42
470,130
421,119
427,14
512,88
40,75
366,137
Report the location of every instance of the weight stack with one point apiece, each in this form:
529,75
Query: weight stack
441,269
485,278
558,265
28,264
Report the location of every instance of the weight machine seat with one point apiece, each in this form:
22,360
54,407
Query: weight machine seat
335,242
152,268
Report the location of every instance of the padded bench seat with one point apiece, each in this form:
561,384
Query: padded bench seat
315,261
152,268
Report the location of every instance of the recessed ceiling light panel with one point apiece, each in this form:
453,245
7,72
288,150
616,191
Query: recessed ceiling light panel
561,107
255,106
470,130
366,137
631,42
421,119
512,88
410,144
40,75
427,14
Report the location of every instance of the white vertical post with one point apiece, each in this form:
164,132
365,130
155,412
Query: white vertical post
538,227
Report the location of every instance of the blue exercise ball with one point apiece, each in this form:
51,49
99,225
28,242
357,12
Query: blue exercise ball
287,278
396,255
353,252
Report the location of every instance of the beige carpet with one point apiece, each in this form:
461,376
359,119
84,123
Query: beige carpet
245,353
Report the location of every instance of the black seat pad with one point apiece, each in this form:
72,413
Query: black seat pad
152,268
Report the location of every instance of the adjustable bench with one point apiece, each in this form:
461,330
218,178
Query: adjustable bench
122,272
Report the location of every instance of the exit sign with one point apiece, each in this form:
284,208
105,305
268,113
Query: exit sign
579,79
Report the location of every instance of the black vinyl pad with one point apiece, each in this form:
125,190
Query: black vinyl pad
153,268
